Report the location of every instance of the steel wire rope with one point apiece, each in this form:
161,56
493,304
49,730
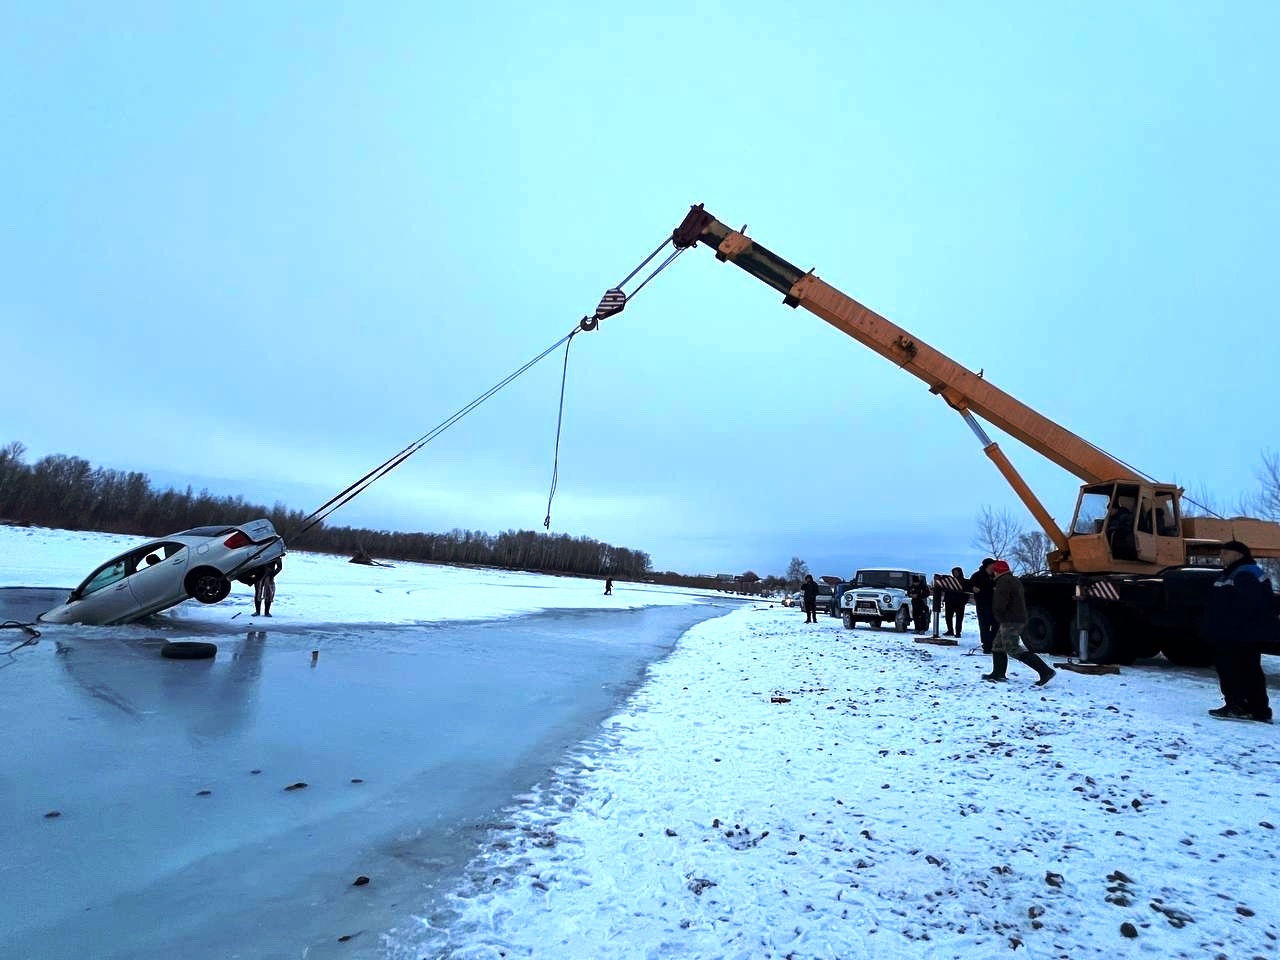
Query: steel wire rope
353,490
348,494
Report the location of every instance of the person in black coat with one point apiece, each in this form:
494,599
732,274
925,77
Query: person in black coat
953,602
810,590
981,584
1239,617
919,594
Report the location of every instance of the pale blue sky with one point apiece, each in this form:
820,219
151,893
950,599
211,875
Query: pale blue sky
261,247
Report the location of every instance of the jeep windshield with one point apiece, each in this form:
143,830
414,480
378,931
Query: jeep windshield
884,578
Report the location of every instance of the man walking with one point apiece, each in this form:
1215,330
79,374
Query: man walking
1010,609
981,585
1239,617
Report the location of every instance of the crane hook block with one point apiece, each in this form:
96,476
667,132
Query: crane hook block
613,301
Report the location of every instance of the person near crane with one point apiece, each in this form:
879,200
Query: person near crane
953,603
1239,617
1010,609
980,585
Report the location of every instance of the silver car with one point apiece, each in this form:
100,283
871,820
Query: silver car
159,574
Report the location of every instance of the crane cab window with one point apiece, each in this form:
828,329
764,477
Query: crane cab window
1092,511
1166,515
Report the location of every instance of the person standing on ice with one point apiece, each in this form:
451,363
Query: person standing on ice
1010,609
919,594
608,586
264,588
953,602
1239,617
980,584
810,590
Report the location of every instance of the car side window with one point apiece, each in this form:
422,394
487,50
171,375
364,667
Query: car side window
105,576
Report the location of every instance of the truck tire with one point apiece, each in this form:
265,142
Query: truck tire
1104,644
1045,633
903,620
847,619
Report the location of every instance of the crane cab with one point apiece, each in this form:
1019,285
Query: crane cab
1123,526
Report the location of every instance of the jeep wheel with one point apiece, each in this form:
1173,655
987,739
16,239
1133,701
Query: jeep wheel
848,621
903,620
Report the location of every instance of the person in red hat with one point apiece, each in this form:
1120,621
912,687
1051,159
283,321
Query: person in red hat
1010,609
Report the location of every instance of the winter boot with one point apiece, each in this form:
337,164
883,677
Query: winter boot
999,664
1046,672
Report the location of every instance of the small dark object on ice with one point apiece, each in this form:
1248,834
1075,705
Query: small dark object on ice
1127,929
1053,879
669,832
204,793
698,884
779,699
360,881
300,785
255,772
53,815
357,780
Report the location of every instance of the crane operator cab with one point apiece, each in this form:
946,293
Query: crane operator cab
1129,522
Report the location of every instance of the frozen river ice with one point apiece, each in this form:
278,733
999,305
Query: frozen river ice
176,834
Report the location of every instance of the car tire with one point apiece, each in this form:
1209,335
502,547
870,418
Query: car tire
189,650
847,619
902,621
207,585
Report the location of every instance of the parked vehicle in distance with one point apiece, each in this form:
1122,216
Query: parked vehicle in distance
198,563
838,591
878,594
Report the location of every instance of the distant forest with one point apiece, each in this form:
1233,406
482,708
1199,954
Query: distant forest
70,493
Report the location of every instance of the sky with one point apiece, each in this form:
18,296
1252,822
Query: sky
260,250
770,789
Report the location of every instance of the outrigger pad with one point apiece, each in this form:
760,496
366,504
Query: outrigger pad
939,641
1092,669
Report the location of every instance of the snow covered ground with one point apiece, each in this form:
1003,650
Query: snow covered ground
777,789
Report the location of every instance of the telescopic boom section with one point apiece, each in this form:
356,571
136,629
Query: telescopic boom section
961,388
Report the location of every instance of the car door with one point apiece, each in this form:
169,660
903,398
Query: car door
105,597
159,585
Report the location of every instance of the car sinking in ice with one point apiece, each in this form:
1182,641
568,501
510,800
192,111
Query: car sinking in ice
198,563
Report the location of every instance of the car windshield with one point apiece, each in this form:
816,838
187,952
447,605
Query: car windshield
884,578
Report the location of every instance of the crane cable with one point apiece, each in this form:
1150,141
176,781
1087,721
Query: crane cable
613,302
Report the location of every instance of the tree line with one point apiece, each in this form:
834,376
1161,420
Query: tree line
70,493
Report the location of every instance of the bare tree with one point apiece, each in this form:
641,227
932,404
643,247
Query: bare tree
796,570
1030,553
997,532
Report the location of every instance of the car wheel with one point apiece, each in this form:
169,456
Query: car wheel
903,620
207,585
848,621
189,650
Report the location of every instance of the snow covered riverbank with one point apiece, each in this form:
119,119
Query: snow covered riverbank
783,790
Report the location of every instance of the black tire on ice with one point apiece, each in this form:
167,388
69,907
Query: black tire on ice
189,650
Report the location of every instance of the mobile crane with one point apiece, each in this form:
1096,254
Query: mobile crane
1124,572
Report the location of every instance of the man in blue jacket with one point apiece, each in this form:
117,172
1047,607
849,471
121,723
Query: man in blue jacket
1239,617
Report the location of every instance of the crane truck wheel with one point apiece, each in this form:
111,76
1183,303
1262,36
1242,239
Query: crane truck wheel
1045,633
1104,644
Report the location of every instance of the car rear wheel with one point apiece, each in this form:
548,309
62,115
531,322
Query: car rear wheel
207,585
903,620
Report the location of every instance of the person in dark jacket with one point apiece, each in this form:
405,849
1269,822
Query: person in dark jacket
1239,616
1010,609
980,584
953,602
810,590
919,594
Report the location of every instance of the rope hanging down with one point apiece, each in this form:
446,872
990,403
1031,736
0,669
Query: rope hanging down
614,300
